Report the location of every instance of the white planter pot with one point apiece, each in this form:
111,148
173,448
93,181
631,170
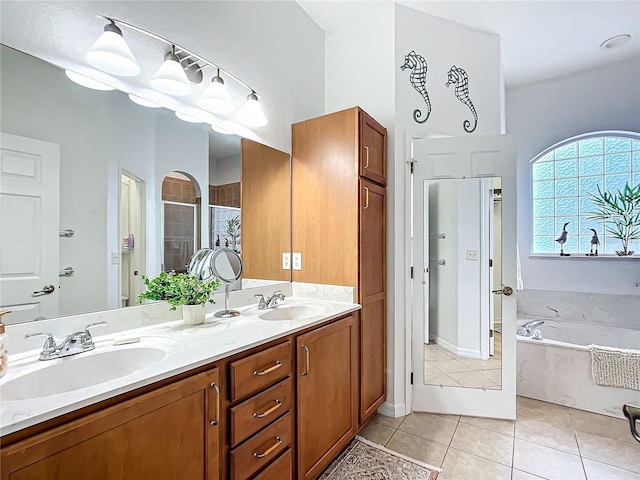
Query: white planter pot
193,314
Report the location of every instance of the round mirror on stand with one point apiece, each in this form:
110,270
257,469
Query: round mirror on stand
227,266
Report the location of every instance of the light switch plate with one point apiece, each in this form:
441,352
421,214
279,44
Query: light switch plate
115,258
286,260
472,254
297,261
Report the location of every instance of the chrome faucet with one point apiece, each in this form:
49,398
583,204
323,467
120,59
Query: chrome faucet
527,328
271,301
72,344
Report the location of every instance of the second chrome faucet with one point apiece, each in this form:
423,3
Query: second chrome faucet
271,301
73,344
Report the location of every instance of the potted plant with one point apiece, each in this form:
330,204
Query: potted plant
233,231
181,289
621,213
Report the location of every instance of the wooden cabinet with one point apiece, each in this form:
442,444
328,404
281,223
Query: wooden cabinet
172,432
339,226
327,391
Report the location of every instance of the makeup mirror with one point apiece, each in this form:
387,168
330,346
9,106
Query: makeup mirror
227,266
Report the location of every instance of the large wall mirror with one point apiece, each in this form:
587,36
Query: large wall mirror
132,191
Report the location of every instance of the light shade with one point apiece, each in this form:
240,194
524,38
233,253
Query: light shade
251,113
170,78
86,81
111,54
143,101
221,130
216,99
188,118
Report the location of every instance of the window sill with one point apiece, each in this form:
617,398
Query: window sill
582,256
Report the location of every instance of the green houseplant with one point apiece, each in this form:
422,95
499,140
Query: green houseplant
621,213
181,289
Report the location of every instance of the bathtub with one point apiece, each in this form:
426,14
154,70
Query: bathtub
557,369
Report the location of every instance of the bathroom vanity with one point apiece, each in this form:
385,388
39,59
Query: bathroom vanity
240,408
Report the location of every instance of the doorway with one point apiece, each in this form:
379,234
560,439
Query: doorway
132,238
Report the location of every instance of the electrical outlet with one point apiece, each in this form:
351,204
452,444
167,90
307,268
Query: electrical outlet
286,260
472,255
297,261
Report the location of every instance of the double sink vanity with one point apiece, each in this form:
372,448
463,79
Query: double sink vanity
253,395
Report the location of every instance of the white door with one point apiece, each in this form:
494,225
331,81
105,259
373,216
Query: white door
29,227
437,164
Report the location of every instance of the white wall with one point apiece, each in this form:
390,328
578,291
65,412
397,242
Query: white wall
544,113
224,170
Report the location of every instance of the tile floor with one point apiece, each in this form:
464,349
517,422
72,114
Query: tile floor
442,367
546,441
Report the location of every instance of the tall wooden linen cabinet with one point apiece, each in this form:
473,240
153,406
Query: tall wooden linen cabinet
339,226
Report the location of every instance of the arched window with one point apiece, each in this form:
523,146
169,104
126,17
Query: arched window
563,177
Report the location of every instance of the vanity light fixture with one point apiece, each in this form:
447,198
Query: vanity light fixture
221,130
87,82
110,53
188,118
180,71
143,101
170,77
251,113
216,98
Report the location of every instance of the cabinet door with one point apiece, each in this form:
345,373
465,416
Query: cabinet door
327,392
373,149
372,296
166,433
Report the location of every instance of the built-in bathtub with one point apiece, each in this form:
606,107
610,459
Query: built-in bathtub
557,369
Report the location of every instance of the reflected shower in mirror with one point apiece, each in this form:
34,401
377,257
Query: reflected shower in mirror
464,345
140,189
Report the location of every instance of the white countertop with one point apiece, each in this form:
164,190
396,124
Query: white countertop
186,346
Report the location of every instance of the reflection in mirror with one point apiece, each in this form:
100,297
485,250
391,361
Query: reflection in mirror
464,345
94,147
227,266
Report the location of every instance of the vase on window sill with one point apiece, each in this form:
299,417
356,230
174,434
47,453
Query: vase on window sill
625,253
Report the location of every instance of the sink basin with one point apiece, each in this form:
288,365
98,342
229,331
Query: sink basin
80,371
289,312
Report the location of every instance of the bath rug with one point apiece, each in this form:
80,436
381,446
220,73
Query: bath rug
615,367
365,460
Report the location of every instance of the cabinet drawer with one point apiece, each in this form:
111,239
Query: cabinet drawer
281,469
260,370
259,411
261,449
373,149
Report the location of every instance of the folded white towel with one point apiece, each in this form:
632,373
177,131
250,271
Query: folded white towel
616,367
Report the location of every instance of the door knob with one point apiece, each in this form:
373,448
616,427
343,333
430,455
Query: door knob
506,290
46,290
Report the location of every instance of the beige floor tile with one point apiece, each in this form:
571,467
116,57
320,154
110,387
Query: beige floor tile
436,377
455,418
448,366
377,433
494,374
609,451
588,422
504,427
429,426
387,421
490,364
554,436
460,465
600,471
546,462
472,379
520,475
484,443
543,411
419,448
435,352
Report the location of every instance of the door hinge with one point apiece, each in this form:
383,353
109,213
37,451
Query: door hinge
491,333
411,272
411,378
491,262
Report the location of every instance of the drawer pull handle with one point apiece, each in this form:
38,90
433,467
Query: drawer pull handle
366,198
268,412
306,369
268,450
268,370
216,421
366,163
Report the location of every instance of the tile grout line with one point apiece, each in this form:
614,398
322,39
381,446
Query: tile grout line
575,437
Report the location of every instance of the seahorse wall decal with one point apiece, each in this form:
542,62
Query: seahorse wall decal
458,77
418,78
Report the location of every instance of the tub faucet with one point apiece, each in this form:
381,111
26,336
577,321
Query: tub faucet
526,329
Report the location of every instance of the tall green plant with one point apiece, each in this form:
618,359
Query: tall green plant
179,289
621,213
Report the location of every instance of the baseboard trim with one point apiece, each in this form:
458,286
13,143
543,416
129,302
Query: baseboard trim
392,410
